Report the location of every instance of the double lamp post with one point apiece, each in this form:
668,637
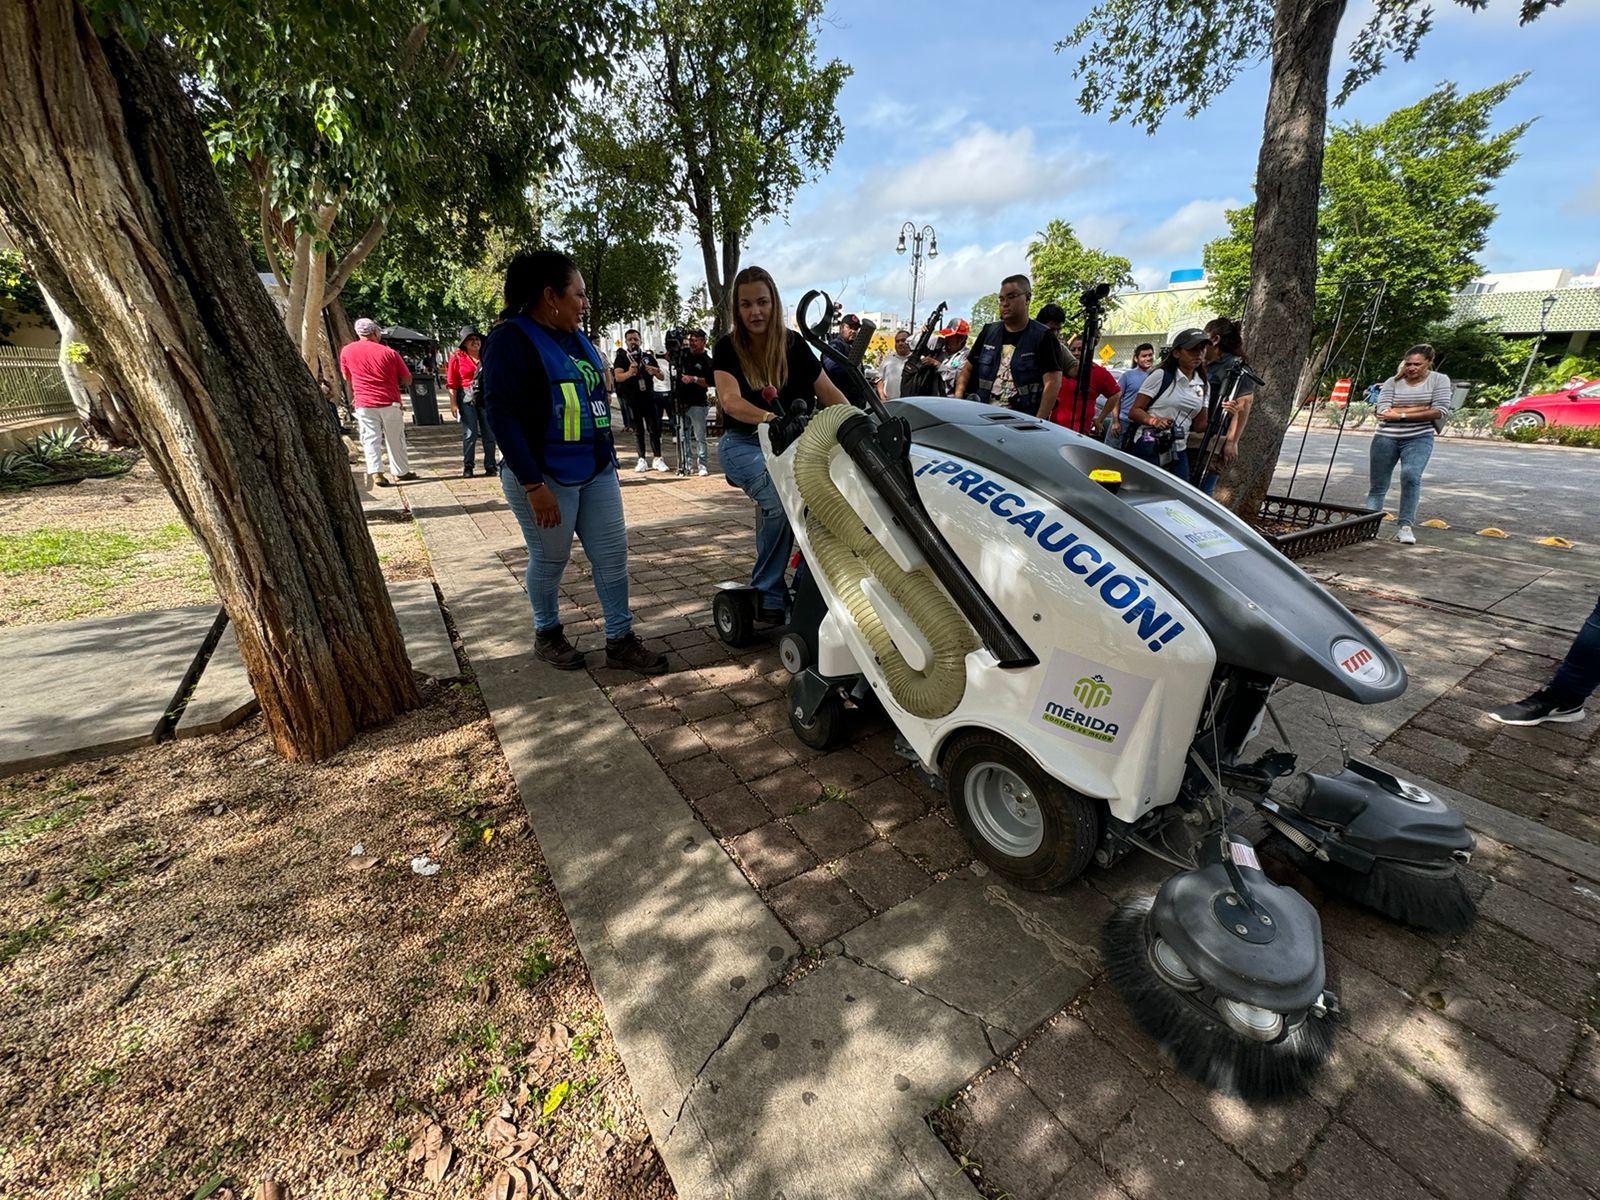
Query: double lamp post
917,238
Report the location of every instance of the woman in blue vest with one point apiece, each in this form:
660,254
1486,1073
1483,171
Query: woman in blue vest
545,398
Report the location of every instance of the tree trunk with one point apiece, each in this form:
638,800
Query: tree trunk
308,334
97,407
1281,304
343,333
107,181
299,275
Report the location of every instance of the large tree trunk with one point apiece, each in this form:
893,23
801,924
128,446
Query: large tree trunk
105,177
102,414
1281,304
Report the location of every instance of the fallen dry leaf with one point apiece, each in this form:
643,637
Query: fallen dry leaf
438,1164
500,1186
485,991
500,1130
443,840
361,862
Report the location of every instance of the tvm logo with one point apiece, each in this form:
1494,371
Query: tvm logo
1092,691
1357,660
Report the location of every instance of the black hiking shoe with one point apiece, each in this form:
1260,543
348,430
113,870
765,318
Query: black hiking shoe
552,647
628,653
1536,710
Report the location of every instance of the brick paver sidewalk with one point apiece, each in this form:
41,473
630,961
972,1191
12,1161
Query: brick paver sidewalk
1466,1067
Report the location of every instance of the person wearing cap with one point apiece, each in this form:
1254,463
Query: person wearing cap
466,401
1171,403
377,373
694,377
1016,362
842,340
950,352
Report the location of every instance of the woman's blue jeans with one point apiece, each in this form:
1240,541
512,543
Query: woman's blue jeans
475,429
1412,454
593,511
746,469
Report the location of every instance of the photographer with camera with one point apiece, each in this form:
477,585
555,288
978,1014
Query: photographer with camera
1171,402
636,371
695,373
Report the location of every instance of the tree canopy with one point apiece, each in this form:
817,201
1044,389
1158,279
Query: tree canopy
1063,268
1404,201
741,109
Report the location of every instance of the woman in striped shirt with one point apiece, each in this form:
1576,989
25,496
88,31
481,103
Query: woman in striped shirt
1408,408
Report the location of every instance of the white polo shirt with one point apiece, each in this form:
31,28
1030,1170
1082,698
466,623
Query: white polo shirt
1180,402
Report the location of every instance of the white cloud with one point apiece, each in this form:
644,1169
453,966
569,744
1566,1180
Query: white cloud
1184,234
987,169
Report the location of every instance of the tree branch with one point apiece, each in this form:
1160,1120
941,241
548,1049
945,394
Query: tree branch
357,254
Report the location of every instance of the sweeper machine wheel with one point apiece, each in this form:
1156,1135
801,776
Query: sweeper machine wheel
825,726
1029,827
733,611
1181,1017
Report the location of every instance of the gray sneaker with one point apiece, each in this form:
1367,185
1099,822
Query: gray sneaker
552,647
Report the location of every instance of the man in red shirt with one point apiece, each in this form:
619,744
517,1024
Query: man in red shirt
377,373
1104,395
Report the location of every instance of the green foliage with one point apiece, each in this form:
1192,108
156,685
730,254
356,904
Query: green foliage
1189,54
741,110
47,549
1404,200
984,310
1063,268
19,295
614,215
534,965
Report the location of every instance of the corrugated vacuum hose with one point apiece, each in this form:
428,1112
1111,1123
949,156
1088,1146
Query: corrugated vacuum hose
848,556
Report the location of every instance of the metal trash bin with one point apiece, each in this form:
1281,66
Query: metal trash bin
425,400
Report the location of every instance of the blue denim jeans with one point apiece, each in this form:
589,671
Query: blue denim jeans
593,511
746,469
1412,454
1579,673
694,417
475,429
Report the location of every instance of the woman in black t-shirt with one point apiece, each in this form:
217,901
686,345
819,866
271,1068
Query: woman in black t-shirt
757,366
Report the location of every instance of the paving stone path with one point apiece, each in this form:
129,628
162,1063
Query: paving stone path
1466,1066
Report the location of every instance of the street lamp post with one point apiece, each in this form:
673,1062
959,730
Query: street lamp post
1545,306
917,237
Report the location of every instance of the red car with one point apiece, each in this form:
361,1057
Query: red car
1575,405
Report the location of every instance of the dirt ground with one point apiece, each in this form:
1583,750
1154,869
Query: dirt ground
104,546
203,984
220,970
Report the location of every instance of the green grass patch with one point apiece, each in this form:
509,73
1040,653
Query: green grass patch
44,549
19,941
18,830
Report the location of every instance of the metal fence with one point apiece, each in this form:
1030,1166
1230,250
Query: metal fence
31,386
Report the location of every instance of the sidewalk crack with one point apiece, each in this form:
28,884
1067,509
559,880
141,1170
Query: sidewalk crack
694,1083
983,1025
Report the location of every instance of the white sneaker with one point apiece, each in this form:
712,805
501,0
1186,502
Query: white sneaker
642,465
1405,537
660,464
702,471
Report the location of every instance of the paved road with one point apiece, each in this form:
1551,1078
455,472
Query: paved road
1521,489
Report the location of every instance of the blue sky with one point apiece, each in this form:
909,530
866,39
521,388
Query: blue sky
978,133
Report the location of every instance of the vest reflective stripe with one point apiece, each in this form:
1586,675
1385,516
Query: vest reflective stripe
571,412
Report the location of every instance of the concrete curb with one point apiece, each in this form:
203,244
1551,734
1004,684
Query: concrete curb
1458,440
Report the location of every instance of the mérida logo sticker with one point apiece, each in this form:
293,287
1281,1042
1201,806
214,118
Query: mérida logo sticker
1090,704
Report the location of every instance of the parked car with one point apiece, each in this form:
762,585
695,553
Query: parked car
1578,404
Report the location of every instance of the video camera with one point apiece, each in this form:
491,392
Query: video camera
675,341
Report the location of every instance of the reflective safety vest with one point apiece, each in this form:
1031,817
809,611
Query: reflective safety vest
577,437
1026,374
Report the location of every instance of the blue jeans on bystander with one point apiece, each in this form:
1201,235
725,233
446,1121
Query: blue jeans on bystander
1412,454
1579,673
746,469
592,511
475,429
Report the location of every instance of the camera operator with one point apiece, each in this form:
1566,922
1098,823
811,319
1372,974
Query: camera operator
694,377
635,370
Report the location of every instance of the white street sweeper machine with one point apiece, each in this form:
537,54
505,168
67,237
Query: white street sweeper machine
1078,647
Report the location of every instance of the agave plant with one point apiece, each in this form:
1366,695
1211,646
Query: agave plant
59,443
